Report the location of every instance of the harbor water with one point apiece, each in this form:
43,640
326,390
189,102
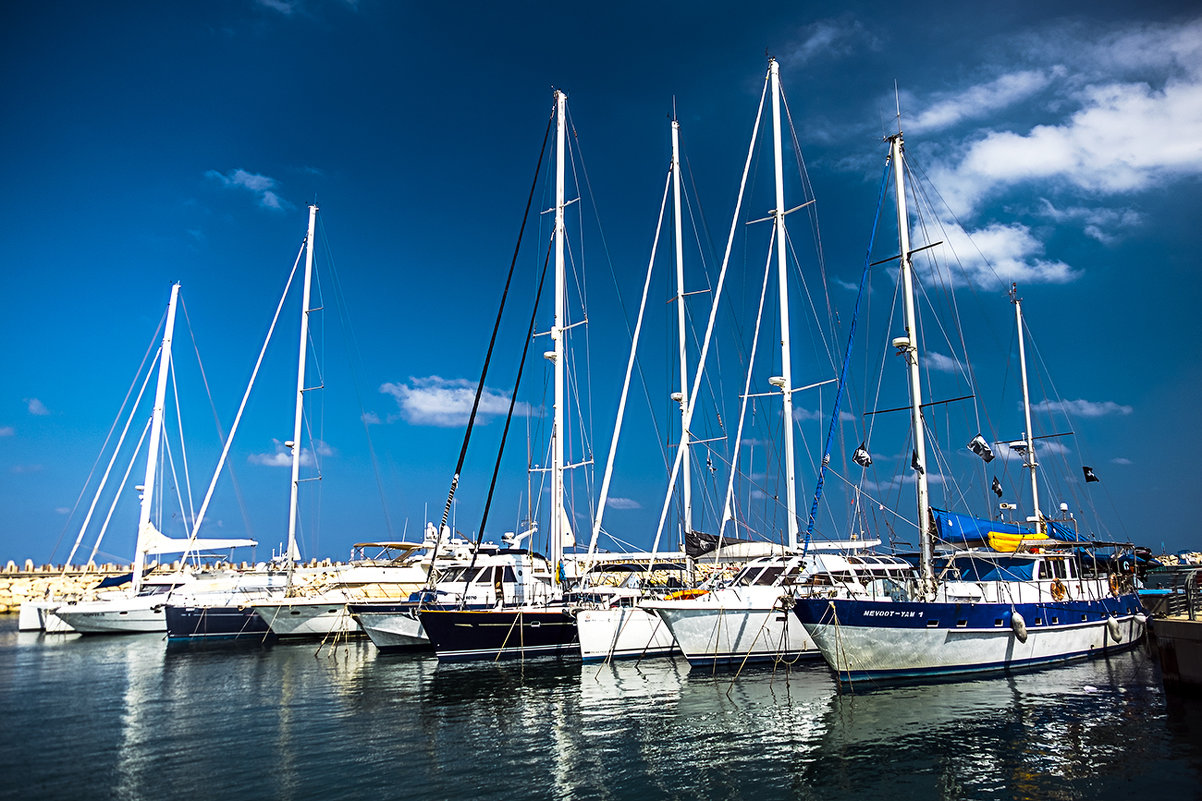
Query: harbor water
131,718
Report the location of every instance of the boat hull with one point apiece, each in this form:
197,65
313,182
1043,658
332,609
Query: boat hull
890,641
624,632
391,627
215,623
118,616
308,618
461,635
718,635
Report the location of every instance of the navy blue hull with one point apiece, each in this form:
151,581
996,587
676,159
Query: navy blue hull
215,623
461,635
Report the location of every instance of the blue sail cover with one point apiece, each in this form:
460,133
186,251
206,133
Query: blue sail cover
958,529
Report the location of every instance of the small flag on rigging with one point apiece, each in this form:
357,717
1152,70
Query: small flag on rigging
981,448
1089,474
861,456
916,464
997,487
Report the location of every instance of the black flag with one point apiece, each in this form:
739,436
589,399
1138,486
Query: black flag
997,487
981,448
915,464
1089,476
861,456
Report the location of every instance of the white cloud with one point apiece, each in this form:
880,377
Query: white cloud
801,415
1083,408
285,7
261,186
1000,253
371,418
1121,460
62,510
1125,115
36,407
940,363
27,468
437,401
829,39
7,431
282,456
1103,224
623,503
946,109
1043,447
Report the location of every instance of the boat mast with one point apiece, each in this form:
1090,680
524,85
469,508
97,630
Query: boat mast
558,513
298,418
680,319
156,435
1030,462
785,381
908,346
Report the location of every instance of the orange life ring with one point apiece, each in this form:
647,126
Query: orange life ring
1058,590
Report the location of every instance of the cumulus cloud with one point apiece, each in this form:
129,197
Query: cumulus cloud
1121,460
1129,118
7,431
623,503
27,468
261,186
1000,252
446,402
36,407
1083,408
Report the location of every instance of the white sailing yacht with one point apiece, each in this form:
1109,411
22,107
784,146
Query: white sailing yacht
140,609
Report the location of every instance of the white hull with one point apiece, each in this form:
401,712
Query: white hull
393,630
709,632
137,615
307,617
623,633
30,617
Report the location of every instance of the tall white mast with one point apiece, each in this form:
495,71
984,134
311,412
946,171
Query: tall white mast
558,513
680,319
156,435
785,381
908,346
1030,462
298,418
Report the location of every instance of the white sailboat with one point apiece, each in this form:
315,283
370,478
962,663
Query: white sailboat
228,613
140,609
973,610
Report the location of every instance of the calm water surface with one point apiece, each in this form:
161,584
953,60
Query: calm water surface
128,718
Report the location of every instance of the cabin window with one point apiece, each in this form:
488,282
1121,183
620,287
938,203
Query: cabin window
508,575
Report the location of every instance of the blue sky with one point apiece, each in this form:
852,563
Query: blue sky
1060,145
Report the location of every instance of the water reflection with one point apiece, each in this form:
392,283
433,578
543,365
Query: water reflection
128,718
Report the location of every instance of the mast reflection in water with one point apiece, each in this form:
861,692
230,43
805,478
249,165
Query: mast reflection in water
126,718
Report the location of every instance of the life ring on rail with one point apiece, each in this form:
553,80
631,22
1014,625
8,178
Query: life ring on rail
1058,590
1114,584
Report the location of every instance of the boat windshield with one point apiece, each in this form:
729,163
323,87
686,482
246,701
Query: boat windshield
994,569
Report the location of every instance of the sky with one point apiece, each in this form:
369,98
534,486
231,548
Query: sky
1055,145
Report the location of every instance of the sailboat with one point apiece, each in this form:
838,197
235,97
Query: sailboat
539,622
974,610
140,608
229,613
